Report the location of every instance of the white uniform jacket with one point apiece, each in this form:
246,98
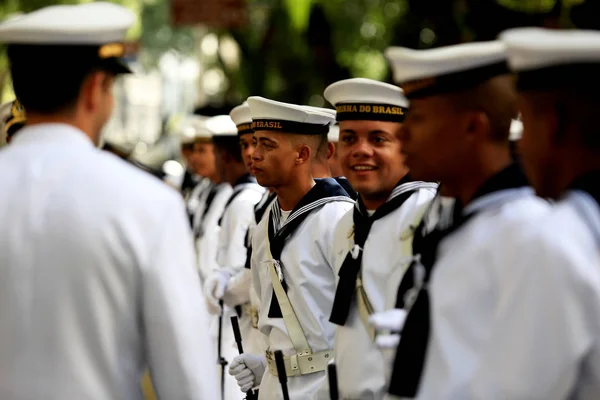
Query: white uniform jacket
362,371
206,227
307,267
97,277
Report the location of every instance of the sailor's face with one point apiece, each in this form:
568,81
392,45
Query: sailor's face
433,142
370,155
273,158
202,159
535,149
247,148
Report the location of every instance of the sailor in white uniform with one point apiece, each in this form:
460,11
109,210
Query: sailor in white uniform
230,281
202,161
373,240
559,91
97,277
292,261
253,339
473,294
210,202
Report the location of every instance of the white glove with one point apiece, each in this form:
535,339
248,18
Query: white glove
214,289
389,320
238,289
384,322
248,370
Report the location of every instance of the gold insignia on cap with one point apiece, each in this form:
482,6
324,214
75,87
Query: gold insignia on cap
111,50
17,115
413,86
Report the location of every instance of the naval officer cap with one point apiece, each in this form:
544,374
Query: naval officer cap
78,36
366,99
242,118
221,126
447,69
547,59
274,115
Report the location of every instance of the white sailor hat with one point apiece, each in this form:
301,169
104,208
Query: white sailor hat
446,69
516,130
545,58
193,129
334,129
221,126
273,115
86,35
366,99
242,118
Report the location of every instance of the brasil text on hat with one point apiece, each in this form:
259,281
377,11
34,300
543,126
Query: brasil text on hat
447,69
242,119
545,59
82,36
366,99
271,115
221,126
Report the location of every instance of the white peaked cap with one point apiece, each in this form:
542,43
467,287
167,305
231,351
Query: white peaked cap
334,134
534,48
241,114
289,118
221,125
516,130
368,99
446,68
94,23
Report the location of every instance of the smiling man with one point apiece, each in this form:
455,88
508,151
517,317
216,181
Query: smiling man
368,238
292,260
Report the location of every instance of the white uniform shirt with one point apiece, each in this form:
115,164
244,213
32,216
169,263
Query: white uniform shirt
308,261
97,277
516,316
236,220
206,224
362,371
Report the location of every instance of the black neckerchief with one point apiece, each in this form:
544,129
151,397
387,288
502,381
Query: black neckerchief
324,191
410,356
238,187
352,264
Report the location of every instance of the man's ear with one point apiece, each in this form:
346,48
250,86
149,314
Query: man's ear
479,125
304,154
92,90
330,150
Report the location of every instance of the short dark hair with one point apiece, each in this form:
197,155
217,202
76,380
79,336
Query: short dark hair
230,145
47,79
